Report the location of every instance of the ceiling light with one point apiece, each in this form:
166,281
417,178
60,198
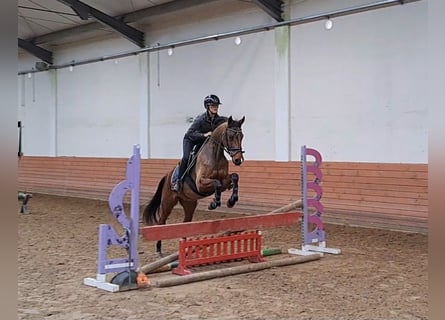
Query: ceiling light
328,24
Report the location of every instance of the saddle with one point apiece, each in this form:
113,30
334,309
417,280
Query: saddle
190,163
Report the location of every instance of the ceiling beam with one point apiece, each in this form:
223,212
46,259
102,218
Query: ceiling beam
37,51
272,7
157,10
81,11
84,11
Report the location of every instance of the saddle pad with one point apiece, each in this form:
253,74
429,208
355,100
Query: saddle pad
191,162
175,175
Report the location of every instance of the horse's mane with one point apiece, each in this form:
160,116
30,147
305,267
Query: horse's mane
220,129
215,138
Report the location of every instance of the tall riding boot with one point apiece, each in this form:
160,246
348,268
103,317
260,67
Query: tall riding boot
178,184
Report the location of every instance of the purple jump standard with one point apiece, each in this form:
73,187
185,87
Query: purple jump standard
109,237
314,239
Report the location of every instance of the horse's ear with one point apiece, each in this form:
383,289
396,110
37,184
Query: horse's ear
229,121
242,120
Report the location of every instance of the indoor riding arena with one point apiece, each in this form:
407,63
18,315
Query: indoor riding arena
329,218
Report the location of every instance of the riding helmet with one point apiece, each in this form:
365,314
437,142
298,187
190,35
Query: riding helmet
211,99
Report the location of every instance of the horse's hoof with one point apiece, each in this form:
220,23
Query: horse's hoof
232,200
212,206
160,255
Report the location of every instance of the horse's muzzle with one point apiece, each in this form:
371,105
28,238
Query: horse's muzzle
237,155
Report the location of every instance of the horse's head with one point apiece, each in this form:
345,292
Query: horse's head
232,140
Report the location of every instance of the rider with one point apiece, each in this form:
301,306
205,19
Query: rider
200,129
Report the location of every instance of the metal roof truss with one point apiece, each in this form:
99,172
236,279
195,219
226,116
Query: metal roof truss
85,11
37,51
272,7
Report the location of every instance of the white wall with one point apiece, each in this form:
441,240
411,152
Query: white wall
357,92
239,75
98,108
359,89
37,112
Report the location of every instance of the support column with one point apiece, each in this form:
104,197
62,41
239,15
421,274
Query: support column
144,105
52,74
282,88
282,94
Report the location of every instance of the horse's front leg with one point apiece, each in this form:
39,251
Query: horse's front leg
206,184
233,180
216,202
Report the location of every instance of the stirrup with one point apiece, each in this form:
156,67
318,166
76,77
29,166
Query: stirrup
176,186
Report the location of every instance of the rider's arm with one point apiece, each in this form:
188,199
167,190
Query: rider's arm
195,133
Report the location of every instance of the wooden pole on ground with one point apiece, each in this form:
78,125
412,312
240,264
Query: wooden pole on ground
169,266
289,207
158,263
166,267
206,275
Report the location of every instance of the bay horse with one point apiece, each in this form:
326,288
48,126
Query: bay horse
207,176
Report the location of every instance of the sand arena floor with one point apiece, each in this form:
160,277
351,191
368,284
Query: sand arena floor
379,275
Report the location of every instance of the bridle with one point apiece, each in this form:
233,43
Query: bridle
231,150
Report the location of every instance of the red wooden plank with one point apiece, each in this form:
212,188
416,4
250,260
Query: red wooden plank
189,229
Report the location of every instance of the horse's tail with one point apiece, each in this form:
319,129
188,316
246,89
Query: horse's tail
150,214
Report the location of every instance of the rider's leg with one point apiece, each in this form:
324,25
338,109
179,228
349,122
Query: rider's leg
187,147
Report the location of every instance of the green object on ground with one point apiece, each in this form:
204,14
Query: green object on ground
270,251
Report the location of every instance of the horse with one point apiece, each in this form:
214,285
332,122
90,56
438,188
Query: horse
208,174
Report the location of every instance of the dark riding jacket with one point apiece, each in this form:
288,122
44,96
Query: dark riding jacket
201,125
195,136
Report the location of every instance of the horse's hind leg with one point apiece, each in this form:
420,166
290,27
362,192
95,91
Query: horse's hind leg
189,209
159,248
234,197
164,211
